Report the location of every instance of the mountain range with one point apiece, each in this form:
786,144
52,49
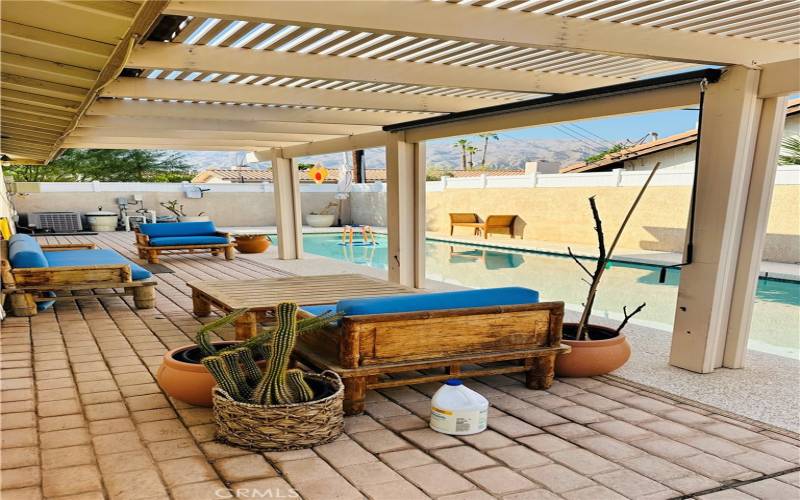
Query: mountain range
501,154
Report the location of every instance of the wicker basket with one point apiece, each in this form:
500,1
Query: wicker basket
282,427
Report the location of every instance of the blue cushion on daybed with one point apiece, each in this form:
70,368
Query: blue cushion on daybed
178,229
24,251
94,257
168,241
318,310
437,301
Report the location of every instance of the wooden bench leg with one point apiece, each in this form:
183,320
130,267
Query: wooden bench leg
142,253
215,252
246,326
541,372
144,297
152,257
229,253
355,391
200,306
23,305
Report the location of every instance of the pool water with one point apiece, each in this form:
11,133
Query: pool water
776,314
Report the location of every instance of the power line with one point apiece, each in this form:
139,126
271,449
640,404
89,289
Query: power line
587,137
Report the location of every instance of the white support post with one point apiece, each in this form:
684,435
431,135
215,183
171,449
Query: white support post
405,210
726,145
754,230
287,207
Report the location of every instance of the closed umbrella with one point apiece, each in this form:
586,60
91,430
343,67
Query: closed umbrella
344,185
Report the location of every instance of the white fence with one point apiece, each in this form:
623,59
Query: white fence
786,175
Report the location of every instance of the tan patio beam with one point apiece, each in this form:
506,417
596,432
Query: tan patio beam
288,214
197,111
48,123
349,143
47,70
50,44
225,60
168,133
257,94
497,26
34,85
213,125
166,143
779,79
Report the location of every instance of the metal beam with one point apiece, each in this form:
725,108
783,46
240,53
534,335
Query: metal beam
40,42
258,94
196,111
498,26
652,100
40,100
262,127
34,85
226,60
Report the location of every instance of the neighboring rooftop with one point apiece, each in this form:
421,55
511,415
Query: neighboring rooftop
617,159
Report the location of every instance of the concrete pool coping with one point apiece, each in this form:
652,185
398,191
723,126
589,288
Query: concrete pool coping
771,270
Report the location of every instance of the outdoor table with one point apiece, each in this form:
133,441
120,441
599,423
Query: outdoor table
261,296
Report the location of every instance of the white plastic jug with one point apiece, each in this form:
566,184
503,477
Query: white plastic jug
456,409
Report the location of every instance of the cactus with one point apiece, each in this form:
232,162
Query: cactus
236,371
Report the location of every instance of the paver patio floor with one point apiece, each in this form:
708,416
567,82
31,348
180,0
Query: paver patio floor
82,417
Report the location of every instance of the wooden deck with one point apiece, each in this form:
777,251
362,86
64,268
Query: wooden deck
82,417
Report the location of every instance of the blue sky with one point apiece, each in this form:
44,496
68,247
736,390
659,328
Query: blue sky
616,129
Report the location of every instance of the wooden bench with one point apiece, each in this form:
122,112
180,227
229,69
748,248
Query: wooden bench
364,349
496,224
26,287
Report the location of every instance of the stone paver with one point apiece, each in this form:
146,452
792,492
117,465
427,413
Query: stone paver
82,417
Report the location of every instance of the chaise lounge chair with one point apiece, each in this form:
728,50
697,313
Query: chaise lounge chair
431,332
153,240
33,273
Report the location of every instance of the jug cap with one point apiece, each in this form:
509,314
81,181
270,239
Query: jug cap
453,382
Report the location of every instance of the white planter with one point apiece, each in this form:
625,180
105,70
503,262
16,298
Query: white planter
194,218
320,220
102,222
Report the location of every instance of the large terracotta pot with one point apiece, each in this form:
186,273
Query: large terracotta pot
589,358
189,382
252,243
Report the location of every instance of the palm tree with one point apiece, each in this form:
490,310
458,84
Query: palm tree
790,151
486,137
471,150
463,144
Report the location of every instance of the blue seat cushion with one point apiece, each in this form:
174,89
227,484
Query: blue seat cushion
320,309
168,241
460,299
95,257
25,251
178,229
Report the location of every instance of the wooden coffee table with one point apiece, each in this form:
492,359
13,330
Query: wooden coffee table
262,295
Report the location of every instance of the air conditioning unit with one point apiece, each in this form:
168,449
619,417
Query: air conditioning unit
58,222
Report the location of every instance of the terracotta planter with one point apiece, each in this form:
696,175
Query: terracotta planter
185,381
592,357
252,243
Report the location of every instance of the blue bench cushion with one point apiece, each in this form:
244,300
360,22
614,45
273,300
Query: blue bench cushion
438,301
319,310
94,257
25,251
178,229
168,241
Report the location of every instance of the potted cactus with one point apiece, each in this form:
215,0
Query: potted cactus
282,408
182,374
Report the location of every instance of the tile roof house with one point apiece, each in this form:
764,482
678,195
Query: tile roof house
675,151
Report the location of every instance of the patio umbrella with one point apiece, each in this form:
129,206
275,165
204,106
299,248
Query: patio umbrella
344,185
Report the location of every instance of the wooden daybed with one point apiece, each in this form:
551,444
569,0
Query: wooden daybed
152,240
27,287
437,344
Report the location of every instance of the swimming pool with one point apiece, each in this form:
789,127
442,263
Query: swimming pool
776,315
